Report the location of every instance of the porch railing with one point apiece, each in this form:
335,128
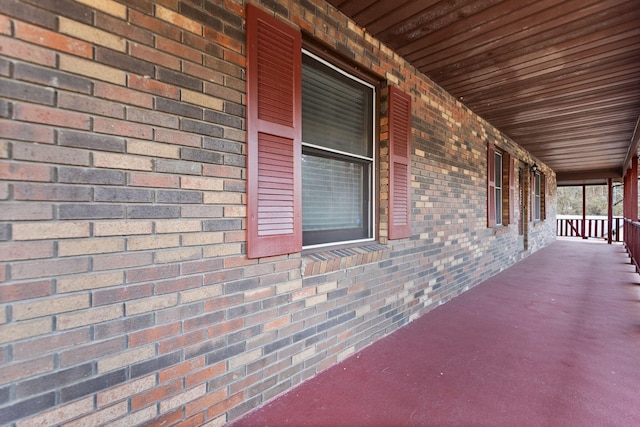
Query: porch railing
632,241
594,228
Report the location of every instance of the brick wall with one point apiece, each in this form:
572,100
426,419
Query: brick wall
125,294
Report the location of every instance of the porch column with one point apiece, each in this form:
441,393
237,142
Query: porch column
609,209
584,211
633,189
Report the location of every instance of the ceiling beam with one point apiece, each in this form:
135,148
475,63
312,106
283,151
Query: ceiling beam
633,147
602,174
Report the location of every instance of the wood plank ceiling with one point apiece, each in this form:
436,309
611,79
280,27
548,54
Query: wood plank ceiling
561,78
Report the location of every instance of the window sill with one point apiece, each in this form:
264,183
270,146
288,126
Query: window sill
326,261
500,229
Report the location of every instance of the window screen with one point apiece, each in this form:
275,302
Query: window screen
337,162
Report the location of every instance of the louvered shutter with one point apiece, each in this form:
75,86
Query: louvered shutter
399,164
274,198
532,211
543,197
491,185
510,191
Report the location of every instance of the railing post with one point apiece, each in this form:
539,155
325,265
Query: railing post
584,211
609,209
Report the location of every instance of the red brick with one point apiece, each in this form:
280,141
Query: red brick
176,285
83,353
152,335
5,25
223,40
121,94
26,132
153,180
24,172
121,294
225,405
179,20
51,116
53,40
239,262
223,302
101,417
203,72
219,171
176,137
206,374
180,370
155,25
152,273
45,192
27,52
24,291
116,127
167,419
152,396
234,7
205,402
124,391
146,84
155,56
25,250
178,49
51,343
195,421
224,328
15,371
117,26
181,342
223,93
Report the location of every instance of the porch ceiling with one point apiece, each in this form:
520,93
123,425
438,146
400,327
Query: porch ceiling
561,78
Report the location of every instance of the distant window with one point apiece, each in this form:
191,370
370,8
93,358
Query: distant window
537,199
498,188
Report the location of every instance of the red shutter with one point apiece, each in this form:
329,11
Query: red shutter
399,164
274,106
532,210
543,196
491,185
510,190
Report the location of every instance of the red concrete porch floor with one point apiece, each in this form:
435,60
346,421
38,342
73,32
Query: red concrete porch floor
552,341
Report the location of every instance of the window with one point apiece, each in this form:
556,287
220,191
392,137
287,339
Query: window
500,187
310,147
538,190
536,197
337,154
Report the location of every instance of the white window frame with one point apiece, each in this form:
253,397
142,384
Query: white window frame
537,207
498,186
371,160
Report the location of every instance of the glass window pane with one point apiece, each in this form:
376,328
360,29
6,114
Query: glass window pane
336,110
498,181
332,194
537,197
498,170
498,206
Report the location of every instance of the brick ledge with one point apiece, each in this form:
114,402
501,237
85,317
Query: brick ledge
339,259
